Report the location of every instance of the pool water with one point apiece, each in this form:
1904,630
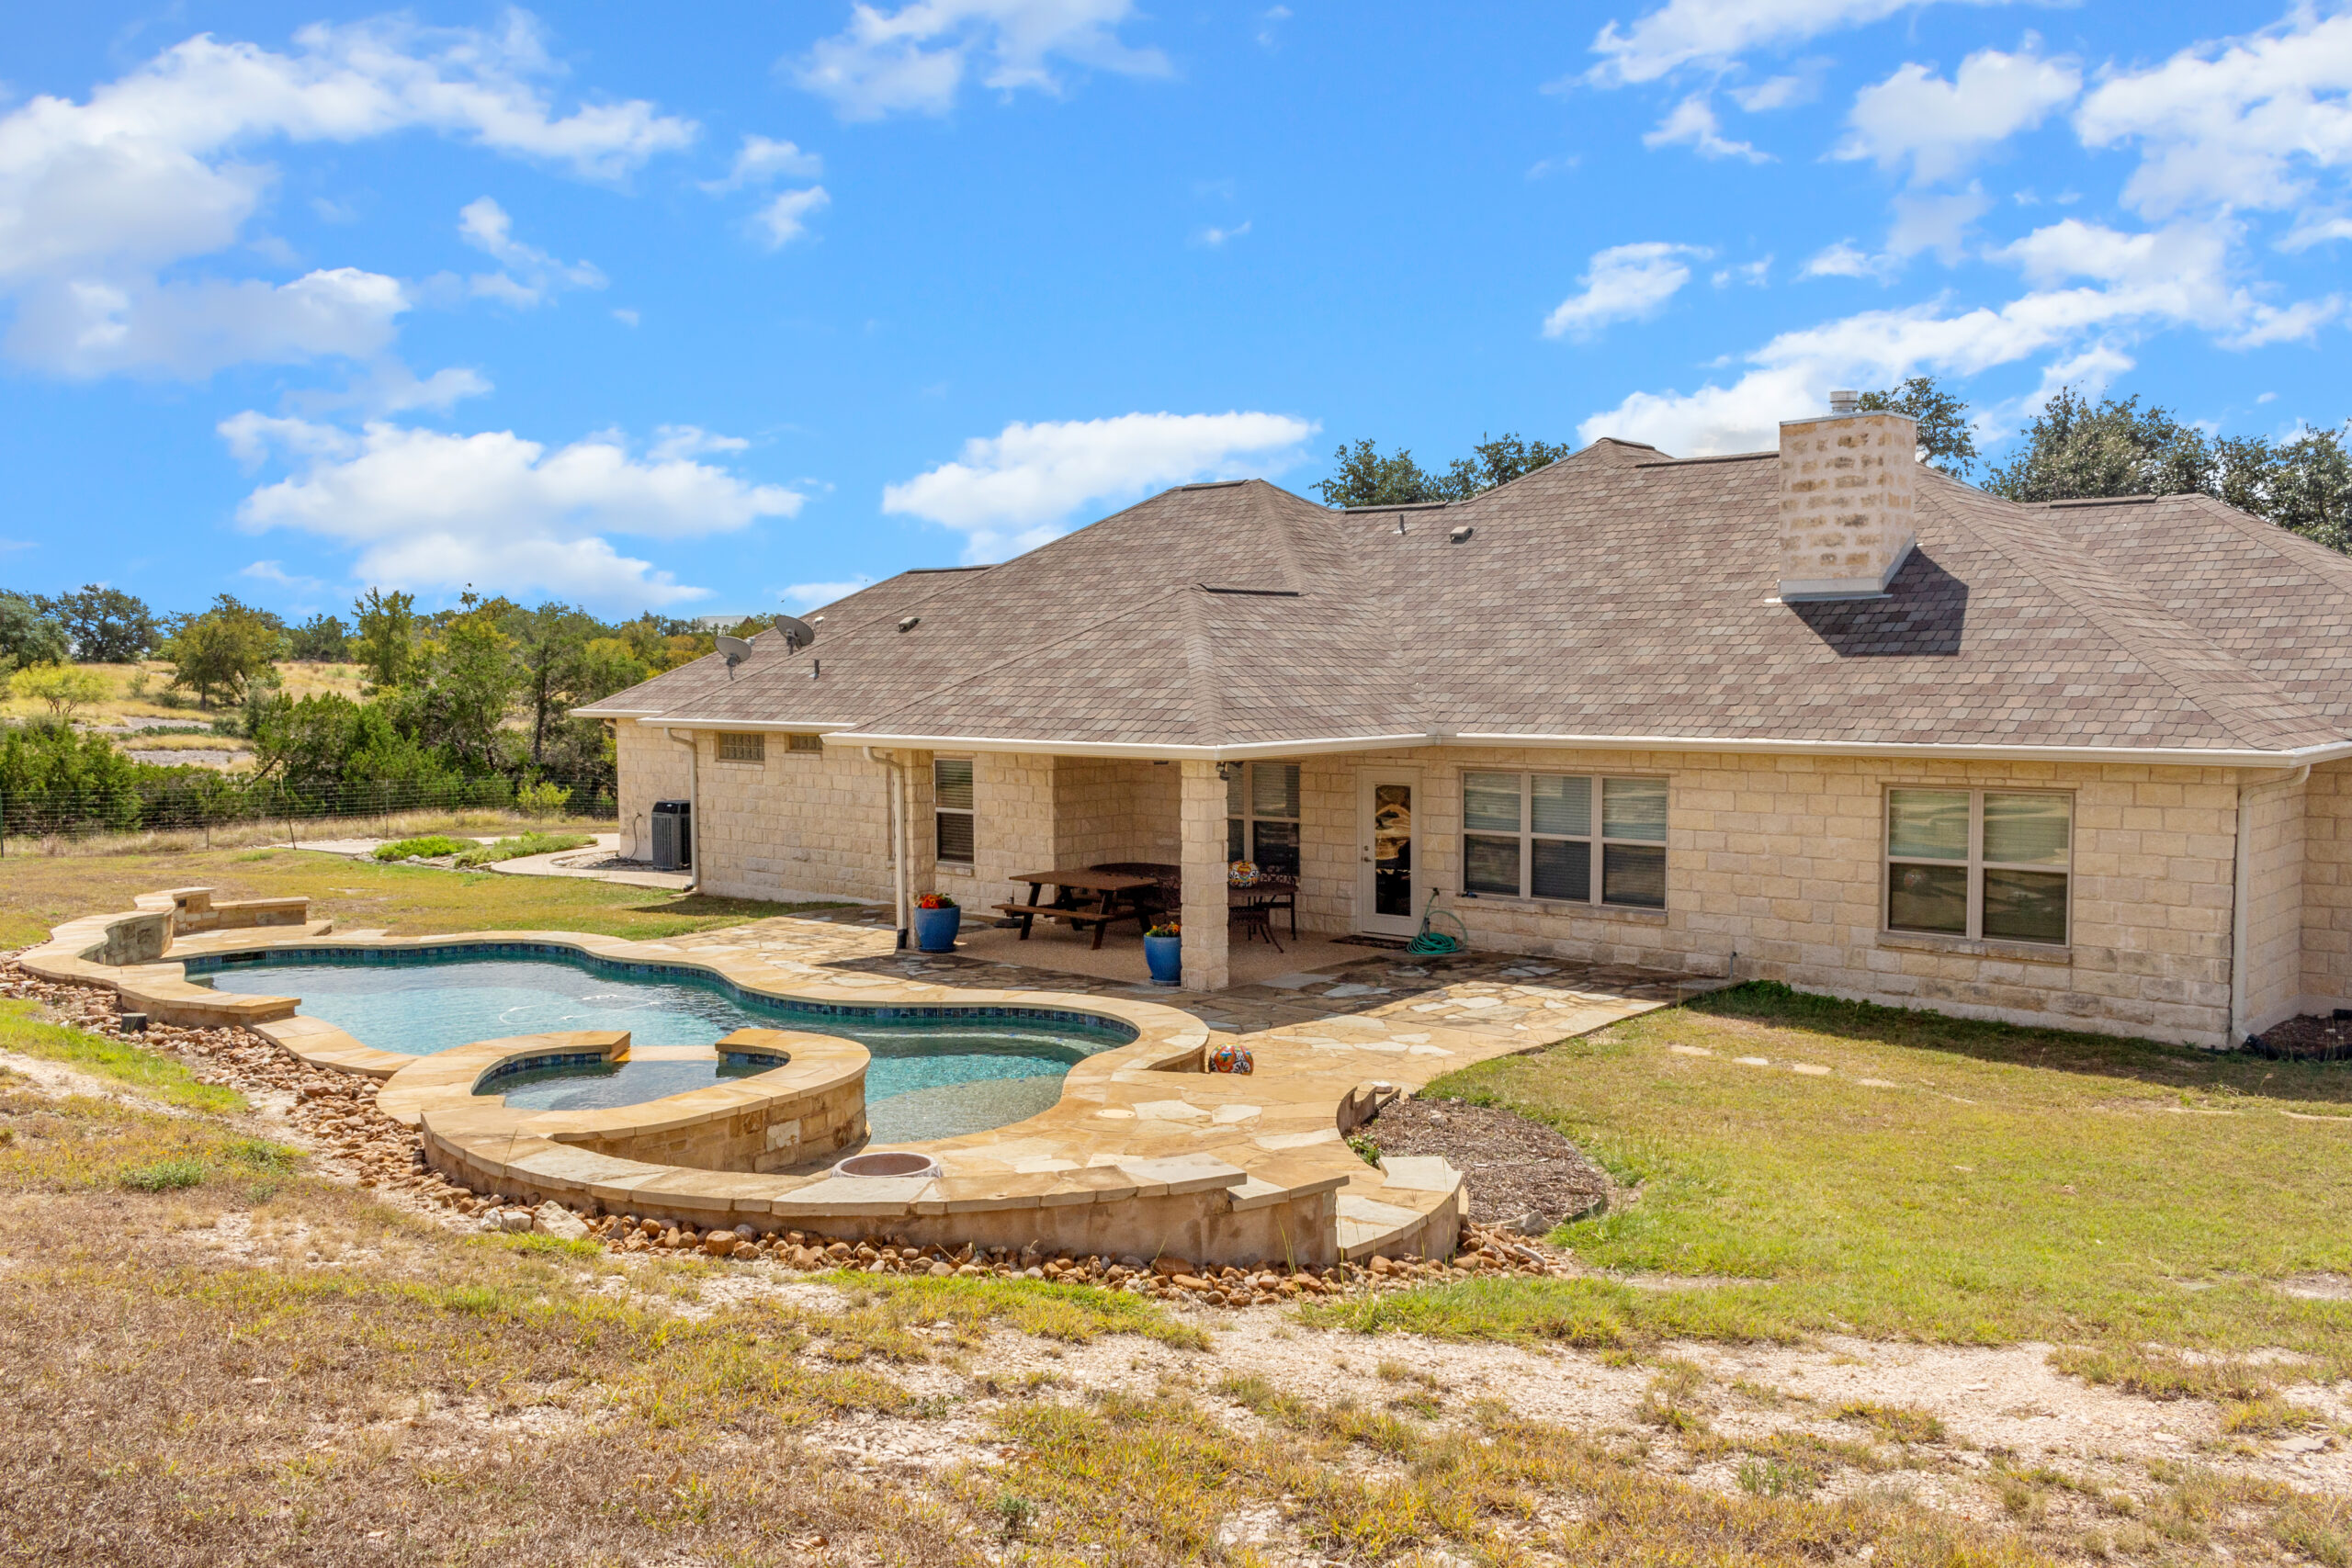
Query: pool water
935,1073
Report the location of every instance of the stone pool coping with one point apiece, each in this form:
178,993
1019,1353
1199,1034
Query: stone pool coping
1143,1153
809,1106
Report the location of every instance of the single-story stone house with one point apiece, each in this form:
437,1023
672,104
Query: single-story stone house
1819,714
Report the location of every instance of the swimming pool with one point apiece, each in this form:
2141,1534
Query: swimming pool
936,1072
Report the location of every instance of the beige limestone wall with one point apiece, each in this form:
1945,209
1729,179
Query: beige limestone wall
2272,856
650,769
796,826
1328,849
1012,830
2327,887
1780,858
1115,809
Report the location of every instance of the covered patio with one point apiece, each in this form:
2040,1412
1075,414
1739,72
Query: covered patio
1101,847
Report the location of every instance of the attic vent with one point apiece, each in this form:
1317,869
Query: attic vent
1459,534
909,623
1255,592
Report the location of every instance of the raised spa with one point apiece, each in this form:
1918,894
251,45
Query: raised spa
936,1072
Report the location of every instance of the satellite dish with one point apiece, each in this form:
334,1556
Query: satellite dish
735,648
797,634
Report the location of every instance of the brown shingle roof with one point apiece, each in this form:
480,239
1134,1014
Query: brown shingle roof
1616,594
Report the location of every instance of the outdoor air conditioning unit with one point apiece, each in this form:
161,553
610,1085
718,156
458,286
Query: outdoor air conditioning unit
673,835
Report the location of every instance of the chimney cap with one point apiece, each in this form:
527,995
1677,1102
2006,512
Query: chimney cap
1844,401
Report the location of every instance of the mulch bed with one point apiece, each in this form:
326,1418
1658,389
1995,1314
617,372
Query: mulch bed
1521,1173
2310,1038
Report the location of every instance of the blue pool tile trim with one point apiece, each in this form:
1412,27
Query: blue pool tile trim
1120,1030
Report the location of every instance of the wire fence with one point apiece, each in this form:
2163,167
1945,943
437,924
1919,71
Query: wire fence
194,801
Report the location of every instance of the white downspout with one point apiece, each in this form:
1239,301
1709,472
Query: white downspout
694,806
894,774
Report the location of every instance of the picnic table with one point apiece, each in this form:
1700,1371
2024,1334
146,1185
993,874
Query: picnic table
1067,883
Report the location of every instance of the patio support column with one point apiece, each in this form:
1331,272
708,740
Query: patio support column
923,828
1207,967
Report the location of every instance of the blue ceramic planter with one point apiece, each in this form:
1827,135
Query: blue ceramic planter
1166,956
935,929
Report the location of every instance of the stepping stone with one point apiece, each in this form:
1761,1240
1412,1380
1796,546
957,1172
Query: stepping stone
1170,1111
1294,982
1753,1060
1808,1069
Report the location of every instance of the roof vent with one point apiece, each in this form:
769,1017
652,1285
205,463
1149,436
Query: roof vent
1844,402
1460,533
909,623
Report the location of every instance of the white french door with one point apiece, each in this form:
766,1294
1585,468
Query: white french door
1388,869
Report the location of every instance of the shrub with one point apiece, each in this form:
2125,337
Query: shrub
164,1175
545,798
62,688
431,847
526,844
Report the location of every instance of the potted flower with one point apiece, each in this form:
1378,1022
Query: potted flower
1163,949
937,919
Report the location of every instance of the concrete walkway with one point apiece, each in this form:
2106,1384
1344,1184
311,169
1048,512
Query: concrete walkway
598,863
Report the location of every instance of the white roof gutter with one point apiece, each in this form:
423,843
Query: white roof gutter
1136,749
2182,757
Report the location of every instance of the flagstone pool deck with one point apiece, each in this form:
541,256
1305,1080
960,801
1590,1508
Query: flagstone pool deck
1145,1153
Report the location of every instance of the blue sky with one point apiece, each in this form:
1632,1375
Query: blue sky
724,306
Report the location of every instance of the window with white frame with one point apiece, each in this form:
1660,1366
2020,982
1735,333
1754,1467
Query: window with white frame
951,786
1979,862
1546,835
1261,815
742,748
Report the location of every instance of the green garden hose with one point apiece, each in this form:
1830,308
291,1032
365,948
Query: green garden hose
1432,942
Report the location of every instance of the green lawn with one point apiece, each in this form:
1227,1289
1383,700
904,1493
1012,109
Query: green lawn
1944,1180
42,892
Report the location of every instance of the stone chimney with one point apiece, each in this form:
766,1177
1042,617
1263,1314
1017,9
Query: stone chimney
1846,485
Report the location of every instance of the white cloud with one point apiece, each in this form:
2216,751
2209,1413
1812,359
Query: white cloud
1755,274
1268,20
1938,223
1938,127
430,510
808,596
763,160
1845,259
484,225
1624,283
94,327
785,219
1693,121
2316,228
1775,93
671,442
1714,32
274,573
389,386
916,57
2170,278
157,167
1214,237
1012,492
2232,123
